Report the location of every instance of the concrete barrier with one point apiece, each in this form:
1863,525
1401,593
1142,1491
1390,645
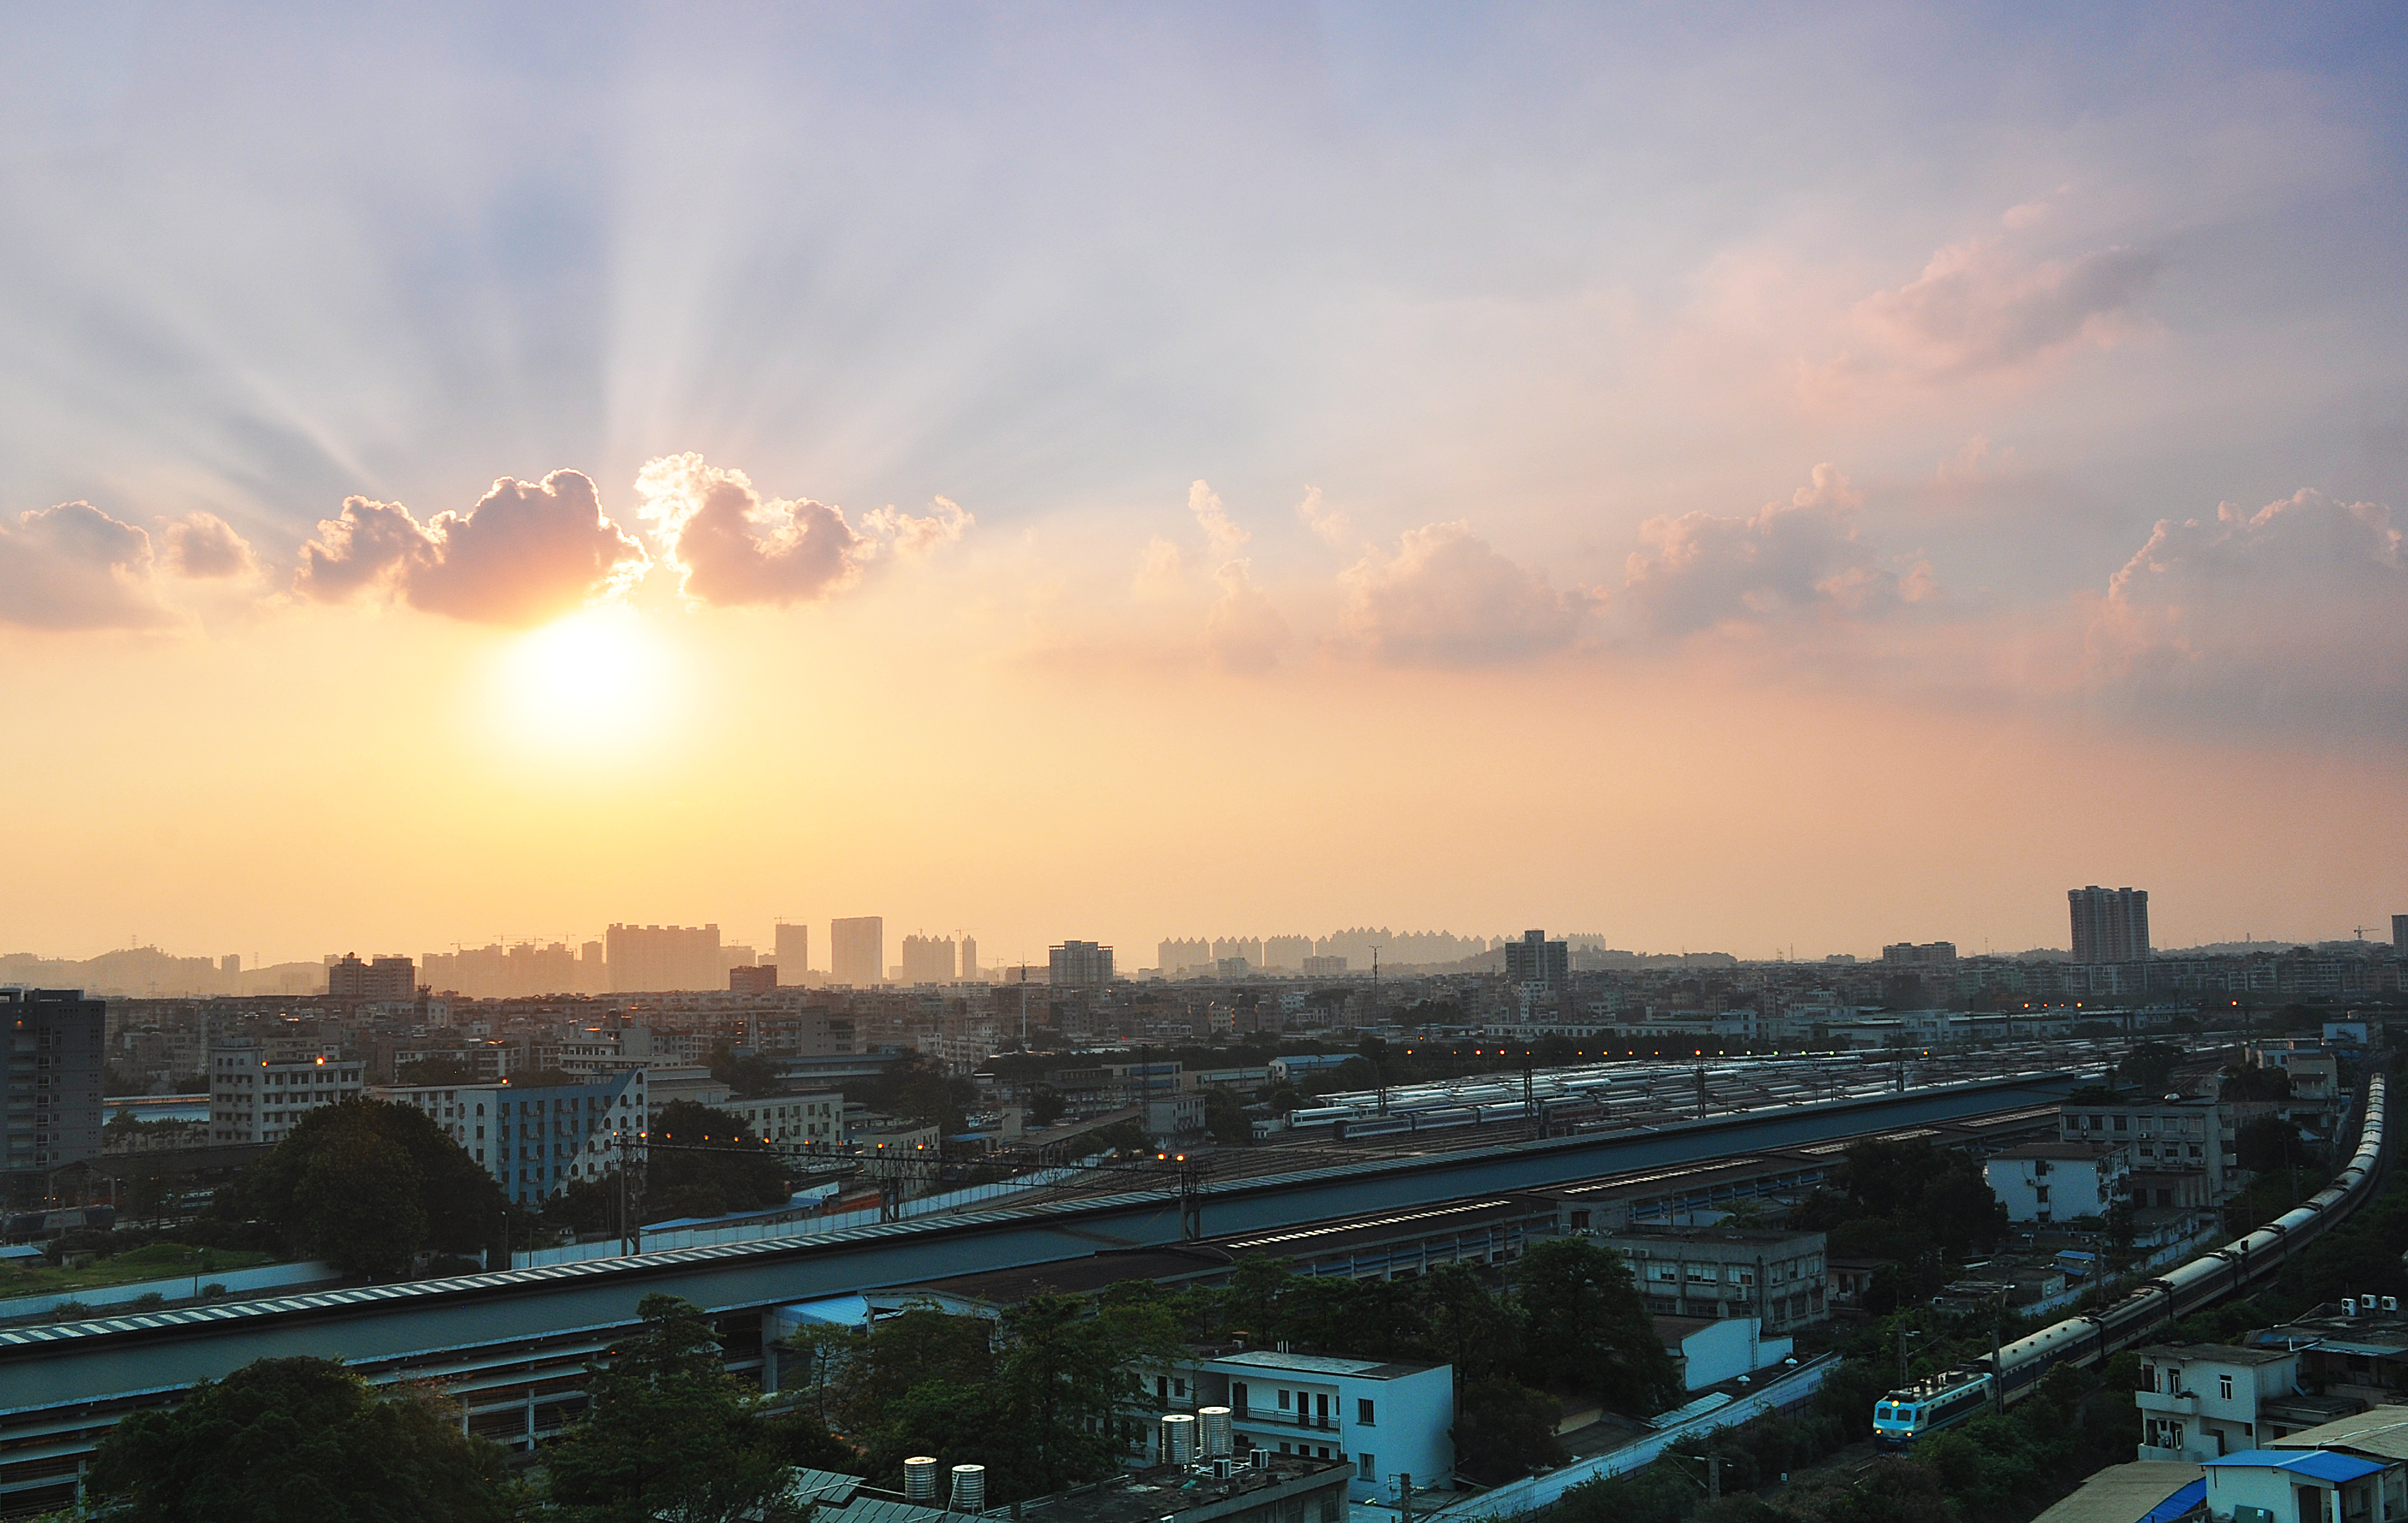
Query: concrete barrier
182,1288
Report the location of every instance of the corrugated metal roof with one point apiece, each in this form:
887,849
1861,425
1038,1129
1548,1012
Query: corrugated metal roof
2322,1464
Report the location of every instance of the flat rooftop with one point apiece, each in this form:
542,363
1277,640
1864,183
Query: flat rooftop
1325,1364
1169,1491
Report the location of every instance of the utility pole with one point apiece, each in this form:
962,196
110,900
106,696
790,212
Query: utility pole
1405,1496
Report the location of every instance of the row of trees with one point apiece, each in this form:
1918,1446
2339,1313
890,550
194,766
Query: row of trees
369,1186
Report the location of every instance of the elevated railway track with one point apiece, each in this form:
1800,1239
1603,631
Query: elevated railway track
513,1345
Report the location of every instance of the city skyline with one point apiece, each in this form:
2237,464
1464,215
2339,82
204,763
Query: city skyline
1148,466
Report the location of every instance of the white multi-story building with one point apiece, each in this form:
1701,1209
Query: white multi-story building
2202,1400
257,1095
2056,1182
1386,1418
535,1141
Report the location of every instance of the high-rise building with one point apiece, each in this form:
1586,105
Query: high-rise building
1910,954
1534,960
2400,936
1175,954
857,950
2110,924
969,960
756,978
927,960
793,950
386,978
49,1109
649,958
1287,952
1080,964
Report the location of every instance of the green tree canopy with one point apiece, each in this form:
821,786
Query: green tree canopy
707,1165
1897,1198
2250,1082
1503,1430
1585,1328
751,1076
670,1435
366,1184
2150,1065
299,1441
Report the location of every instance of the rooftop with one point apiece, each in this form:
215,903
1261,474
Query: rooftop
1754,1236
1323,1364
2059,1150
2126,1493
1168,1491
2321,1464
2217,1352
2382,1431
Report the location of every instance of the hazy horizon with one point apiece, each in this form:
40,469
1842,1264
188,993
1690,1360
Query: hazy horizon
1826,478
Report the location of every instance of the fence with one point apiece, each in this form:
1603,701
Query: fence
182,1288
1532,1493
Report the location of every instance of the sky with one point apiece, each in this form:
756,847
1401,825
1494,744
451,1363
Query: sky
1718,478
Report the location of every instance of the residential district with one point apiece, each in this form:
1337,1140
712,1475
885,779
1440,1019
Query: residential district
1375,1225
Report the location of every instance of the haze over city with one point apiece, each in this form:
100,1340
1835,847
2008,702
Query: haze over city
1815,482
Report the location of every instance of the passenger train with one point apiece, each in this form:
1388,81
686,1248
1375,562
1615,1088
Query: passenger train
1902,1415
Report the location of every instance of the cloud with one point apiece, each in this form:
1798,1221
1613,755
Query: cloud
912,536
1446,598
1162,570
527,551
2298,609
1803,556
1330,523
73,566
204,547
1224,535
1243,630
733,548
1980,306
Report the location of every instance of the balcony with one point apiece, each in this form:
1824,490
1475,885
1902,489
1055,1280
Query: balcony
1263,1417
2168,1403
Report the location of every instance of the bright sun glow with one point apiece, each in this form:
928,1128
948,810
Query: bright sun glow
596,683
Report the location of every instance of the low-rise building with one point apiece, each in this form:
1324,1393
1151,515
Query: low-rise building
2352,1470
2165,1135
2357,1347
258,1093
1381,1417
1727,1271
2200,1402
2056,1182
1708,1352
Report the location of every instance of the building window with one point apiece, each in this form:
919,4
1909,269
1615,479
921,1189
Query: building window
1283,1401
1365,1467
1363,1411
2224,1387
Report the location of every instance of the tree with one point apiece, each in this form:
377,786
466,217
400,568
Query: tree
2253,1083
300,1440
1225,1118
366,1184
1503,1430
440,1068
1045,1106
1585,1327
1465,1325
670,1434
751,1076
2150,1065
917,1087
1065,1375
707,1165
2268,1142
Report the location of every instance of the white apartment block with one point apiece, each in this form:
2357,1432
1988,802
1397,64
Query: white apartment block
1384,1419
258,1096
2056,1182
2200,1402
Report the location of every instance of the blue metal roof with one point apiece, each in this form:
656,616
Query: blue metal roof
2178,1505
2320,1464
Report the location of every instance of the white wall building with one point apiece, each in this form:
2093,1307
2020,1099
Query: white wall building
257,1095
2201,1401
1384,1419
1709,1350
2056,1182
535,1141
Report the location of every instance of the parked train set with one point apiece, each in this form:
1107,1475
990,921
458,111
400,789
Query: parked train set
1903,1415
